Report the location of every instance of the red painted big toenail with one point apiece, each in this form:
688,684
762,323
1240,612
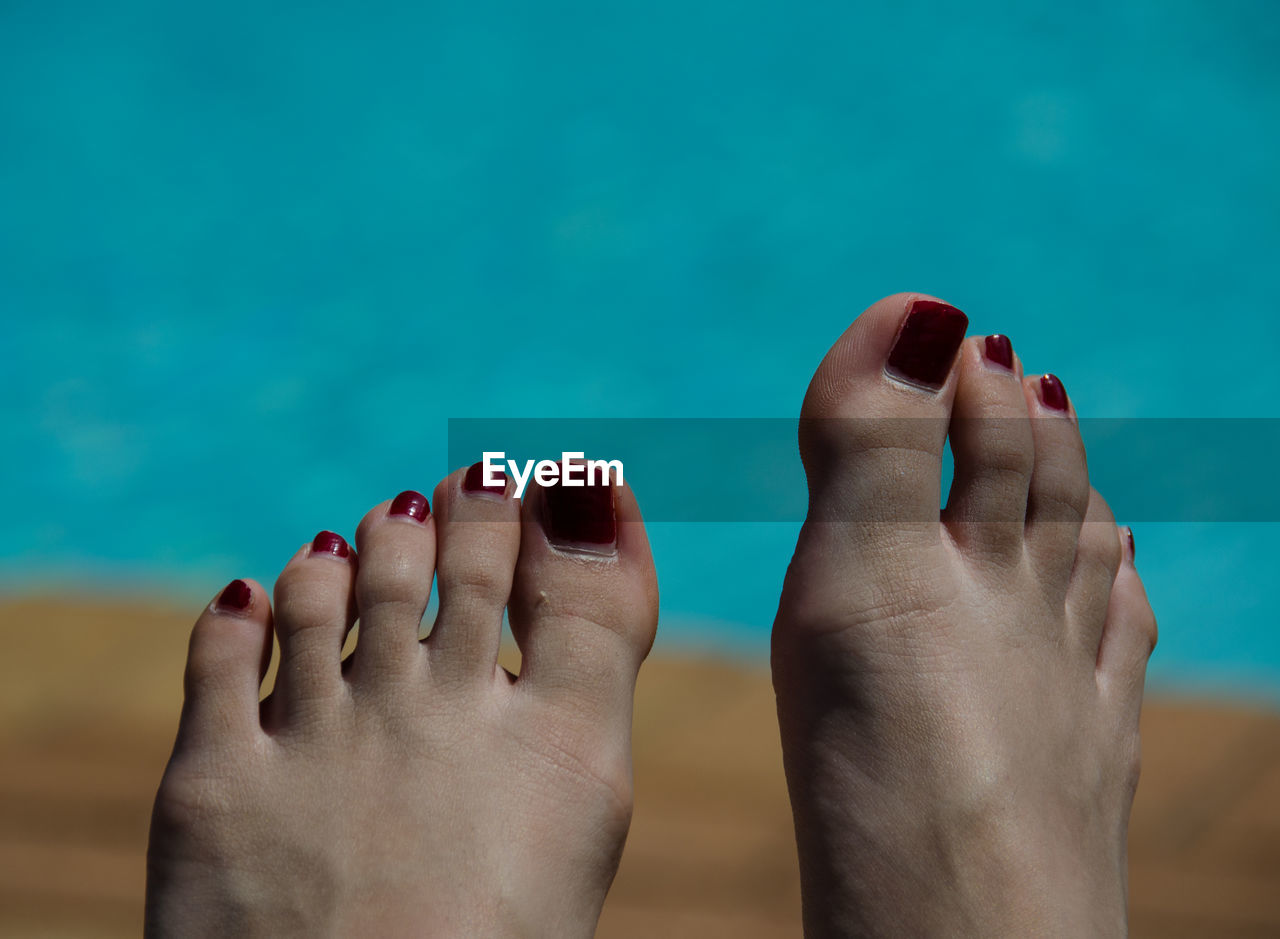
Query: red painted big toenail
236,595
580,515
474,481
328,542
927,344
1052,393
412,504
1000,351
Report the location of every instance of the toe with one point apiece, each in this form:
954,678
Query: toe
1129,635
1097,560
315,607
397,546
874,420
584,603
1059,492
994,452
226,661
478,531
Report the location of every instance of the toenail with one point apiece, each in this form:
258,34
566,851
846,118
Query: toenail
578,516
927,344
1000,351
1052,393
412,504
328,542
474,481
1133,551
235,597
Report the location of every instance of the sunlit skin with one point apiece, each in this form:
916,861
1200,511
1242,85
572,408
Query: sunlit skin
958,691
417,789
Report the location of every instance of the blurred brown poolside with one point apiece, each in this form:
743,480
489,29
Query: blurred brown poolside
88,703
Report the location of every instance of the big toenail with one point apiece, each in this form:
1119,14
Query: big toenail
1052,393
328,542
927,344
1133,551
580,516
412,504
1000,351
474,481
235,597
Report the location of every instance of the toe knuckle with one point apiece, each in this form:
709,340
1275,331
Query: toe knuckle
997,445
1060,504
397,581
205,657
486,583
1102,550
1099,510
1009,459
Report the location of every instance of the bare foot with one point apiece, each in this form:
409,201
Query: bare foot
958,692
416,789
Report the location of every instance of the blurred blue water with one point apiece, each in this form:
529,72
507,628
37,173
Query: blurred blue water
251,259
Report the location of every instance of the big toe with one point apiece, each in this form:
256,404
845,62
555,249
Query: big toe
584,608
875,417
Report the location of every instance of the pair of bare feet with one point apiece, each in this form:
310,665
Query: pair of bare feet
958,692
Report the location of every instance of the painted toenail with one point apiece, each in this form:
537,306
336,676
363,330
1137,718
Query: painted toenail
412,504
235,597
1133,551
474,481
328,542
1052,393
580,516
927,344
1000,351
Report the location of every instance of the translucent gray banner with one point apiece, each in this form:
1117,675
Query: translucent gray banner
749,470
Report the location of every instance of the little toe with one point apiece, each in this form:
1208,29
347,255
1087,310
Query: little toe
1097,561
478,532
1058,498
226,662
1129,635
397,546
874,420
314,609
994,451
584,605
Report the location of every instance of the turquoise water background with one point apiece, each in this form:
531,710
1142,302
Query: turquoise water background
252,259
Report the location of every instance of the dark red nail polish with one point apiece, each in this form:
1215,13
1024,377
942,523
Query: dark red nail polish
580,515
236,595
474,481
1133,551
927,344
328,542
1000,351
412,504
1052,393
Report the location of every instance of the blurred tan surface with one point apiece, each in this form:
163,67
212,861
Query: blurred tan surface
88,705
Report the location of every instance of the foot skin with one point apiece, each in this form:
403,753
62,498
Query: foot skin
958,691
417,788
